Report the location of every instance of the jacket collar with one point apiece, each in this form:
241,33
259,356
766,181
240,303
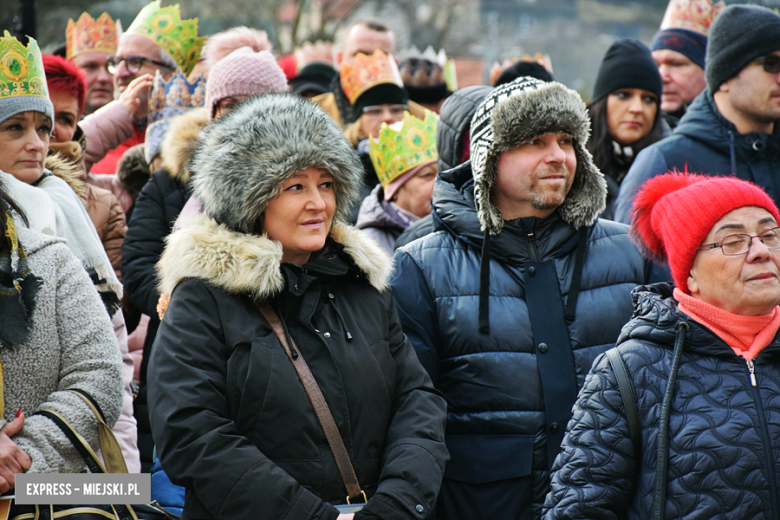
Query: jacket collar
655,319
250,264
180,142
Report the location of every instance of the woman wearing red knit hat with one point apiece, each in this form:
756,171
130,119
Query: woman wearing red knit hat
682,418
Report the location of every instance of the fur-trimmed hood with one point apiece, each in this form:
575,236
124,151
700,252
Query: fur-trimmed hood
516,113
180,142
69,172
244,263
248,154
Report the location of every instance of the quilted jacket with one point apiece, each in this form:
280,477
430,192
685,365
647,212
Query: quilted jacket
724,433
497,420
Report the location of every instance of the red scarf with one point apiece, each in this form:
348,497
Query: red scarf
746,335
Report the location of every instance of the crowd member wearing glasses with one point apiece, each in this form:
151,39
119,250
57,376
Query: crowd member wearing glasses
703,365
730,128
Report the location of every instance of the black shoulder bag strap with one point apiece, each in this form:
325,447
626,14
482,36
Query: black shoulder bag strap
629,401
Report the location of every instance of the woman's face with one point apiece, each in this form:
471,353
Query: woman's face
630,114
415,195
24,143
300,216
66,116
747,284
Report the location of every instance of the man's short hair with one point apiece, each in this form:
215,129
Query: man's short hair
168,60
371,23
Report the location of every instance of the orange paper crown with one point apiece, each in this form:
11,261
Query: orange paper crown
693,15
89,35
366,72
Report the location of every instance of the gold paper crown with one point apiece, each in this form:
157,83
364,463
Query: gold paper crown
693,15
366,72
175,97
411,143
164,26
88,34
21,69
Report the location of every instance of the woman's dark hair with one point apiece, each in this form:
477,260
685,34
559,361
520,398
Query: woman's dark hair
6,203
600,142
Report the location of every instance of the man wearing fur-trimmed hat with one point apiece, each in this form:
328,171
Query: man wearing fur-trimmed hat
513,295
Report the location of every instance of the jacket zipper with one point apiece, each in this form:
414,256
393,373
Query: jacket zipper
534,251
765,438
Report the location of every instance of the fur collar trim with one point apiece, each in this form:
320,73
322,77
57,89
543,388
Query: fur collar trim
241,263
516,113
180,142
69,172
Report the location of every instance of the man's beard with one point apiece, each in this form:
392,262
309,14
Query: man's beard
546,200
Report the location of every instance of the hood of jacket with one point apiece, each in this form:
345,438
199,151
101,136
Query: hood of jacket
69,172
374,213
454,122
703,122
181,141
514,114
454,210
251,264
656,317
247,155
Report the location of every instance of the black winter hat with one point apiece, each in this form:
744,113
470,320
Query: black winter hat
627,64
384,93
740,34
522,69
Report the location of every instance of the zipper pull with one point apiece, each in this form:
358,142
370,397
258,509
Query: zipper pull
531,236
752,369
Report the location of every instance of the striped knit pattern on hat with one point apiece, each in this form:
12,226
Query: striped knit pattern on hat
244,73
674,212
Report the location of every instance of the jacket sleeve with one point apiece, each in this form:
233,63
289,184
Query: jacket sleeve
416,310
126,428
89,360
142,247
106,129
114,233
594,475
415,453
198,444
649,163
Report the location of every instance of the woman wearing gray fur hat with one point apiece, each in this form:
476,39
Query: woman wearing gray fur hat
273,276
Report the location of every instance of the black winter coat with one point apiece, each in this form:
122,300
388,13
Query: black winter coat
498,423
231,419
155,212
724,449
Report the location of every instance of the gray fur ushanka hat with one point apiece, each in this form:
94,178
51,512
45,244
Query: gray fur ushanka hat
517,112
244,158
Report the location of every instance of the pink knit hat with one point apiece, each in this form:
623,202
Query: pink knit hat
243,73
399,181
673,213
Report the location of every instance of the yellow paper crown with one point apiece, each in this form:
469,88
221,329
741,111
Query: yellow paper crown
164,26
21,69
411,143
366,72
88,35
693,15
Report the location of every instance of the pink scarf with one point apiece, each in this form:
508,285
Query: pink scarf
746,335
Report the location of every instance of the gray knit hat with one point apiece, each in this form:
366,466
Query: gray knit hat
740,34
11,106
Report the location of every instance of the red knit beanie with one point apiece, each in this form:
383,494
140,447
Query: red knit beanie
63,75
674,212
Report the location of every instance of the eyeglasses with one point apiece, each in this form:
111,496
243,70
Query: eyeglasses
133,63
378,110
771,63
735,245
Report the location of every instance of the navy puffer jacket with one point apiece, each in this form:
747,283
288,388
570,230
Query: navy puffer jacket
724,433
496,427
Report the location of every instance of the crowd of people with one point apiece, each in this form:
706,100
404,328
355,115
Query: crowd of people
332,285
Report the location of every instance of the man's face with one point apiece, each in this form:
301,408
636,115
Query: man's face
366,40
534,178
100,82
683,79
141,46
755,93
373,116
